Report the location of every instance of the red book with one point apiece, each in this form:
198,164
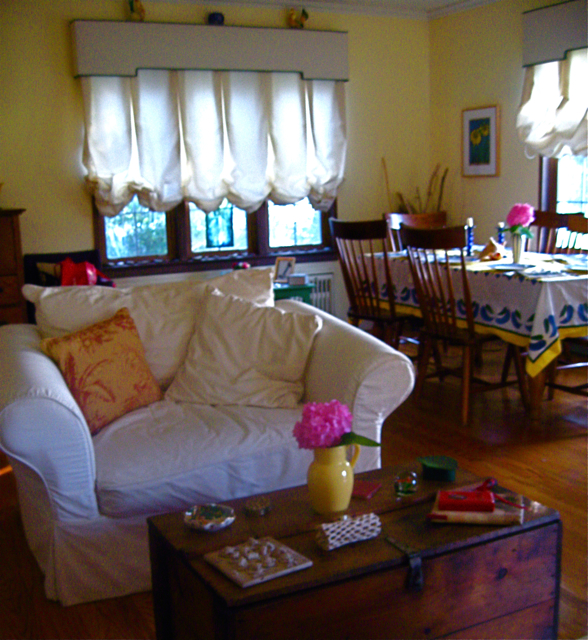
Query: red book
466,501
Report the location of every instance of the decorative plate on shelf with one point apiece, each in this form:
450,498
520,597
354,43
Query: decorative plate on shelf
209,517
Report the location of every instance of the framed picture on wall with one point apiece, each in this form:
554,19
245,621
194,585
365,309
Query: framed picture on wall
284,268
480,142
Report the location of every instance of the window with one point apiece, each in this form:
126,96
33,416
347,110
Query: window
222,230
188,238
294,225
564,184
136,232
564,188
572,185
201,137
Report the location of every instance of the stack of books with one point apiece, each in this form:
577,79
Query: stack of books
476,505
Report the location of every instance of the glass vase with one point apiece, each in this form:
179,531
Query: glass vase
330,479
518,247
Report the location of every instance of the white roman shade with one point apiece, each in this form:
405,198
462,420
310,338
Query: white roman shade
201,130
553,115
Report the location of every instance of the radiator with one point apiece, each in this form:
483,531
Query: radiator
322,294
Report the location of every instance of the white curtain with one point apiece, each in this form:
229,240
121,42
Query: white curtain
553,116
206,135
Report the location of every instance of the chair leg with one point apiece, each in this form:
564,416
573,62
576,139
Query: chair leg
392,333
479,356
506,364
426,345
551,374
379,331
465,383
513,352
438,360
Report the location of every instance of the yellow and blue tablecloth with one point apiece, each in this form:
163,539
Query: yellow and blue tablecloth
533,305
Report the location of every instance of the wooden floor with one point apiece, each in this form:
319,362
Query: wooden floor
546,461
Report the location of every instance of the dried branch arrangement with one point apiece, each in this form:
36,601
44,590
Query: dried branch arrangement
434,197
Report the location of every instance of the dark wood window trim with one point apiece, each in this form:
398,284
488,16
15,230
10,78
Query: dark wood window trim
181,260
547,184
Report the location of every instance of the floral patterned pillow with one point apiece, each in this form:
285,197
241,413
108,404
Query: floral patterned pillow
105,369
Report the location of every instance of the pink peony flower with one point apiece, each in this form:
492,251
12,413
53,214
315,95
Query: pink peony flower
322,424
520,215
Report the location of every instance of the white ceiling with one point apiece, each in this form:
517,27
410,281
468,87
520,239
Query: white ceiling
417,9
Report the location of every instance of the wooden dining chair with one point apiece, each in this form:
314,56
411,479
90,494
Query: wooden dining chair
417,220
564,234
438,288
433,238
545,230
573,348
576,240
363,248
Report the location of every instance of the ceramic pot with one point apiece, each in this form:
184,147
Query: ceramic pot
330,479
518,247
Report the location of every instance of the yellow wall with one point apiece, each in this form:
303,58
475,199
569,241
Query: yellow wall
476,61
409,81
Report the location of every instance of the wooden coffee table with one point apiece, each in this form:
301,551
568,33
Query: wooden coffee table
478,581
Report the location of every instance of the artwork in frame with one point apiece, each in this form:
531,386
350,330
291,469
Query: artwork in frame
480,148
284,268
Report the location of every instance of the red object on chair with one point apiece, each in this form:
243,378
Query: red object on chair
80,273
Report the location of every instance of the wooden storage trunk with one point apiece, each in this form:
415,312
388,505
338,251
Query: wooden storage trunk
478,581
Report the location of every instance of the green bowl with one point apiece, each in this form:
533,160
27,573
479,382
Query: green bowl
439,468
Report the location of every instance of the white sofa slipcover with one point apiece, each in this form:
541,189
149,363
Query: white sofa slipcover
84,500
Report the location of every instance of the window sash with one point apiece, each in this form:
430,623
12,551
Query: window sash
181,258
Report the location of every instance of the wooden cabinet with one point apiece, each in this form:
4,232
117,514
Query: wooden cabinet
12,304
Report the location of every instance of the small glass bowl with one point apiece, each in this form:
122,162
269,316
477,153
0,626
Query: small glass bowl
209,517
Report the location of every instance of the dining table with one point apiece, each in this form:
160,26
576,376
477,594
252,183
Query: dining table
533,304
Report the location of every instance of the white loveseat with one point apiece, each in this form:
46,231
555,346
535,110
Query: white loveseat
85,498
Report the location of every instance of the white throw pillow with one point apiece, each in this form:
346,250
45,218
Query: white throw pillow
164,314
255,285
244,354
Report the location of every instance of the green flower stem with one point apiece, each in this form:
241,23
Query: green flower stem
520,230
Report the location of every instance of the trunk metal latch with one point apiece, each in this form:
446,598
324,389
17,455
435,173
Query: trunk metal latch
415,581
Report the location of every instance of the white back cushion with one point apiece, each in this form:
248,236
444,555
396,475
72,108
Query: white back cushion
245,354
164,314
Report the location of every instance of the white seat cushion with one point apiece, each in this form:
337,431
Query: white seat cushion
170,456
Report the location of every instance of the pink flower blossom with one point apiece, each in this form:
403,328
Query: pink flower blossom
322,424
520,215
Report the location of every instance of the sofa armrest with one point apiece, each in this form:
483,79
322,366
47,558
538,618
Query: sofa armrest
42,427
350,365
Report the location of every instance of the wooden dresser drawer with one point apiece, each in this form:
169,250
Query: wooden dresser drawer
9,291
12,304
8,253
12,315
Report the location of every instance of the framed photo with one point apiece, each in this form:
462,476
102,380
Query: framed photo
284,268
479,144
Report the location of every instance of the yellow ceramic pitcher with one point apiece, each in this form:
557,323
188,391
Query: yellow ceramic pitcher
330,478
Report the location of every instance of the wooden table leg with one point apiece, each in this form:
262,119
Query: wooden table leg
536,389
